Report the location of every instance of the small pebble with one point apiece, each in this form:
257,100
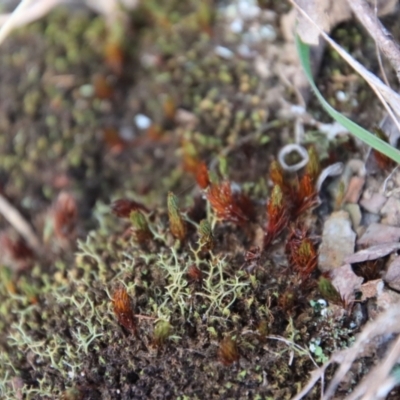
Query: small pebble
142,121
341,96
236,25
223,52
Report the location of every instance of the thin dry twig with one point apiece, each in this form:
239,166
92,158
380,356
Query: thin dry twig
378,53
14,217
364,12
371,384
29,11
386,324
9,24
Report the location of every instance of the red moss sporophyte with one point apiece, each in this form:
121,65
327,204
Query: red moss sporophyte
123,309
177,224
277,215
228,352
122,208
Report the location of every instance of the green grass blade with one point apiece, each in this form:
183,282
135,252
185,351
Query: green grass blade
361,133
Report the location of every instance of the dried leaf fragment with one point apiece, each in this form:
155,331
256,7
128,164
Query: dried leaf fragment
372,253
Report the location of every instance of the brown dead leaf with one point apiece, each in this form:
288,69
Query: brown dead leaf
388,298
372,253
391,212
338,241
371,289
379,234
354,189
326,13
373,202
346,282
392,276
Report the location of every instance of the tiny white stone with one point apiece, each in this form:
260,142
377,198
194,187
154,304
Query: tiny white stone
142,121
268,32
230,11
71,374
312,347
296,109
248,9
341,96
245,51
86,90
324,312
223,52
236,25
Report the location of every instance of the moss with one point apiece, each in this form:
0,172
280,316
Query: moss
61,334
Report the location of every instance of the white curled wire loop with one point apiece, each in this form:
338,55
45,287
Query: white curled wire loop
293,148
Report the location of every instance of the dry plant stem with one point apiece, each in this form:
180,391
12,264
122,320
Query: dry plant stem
386,324
378,53
24,14
316,375
371,384
389,98
363,11
13,216
9,25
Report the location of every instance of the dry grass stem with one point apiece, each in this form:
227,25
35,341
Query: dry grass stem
15,218
386,324
389,98
32,11
384,40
